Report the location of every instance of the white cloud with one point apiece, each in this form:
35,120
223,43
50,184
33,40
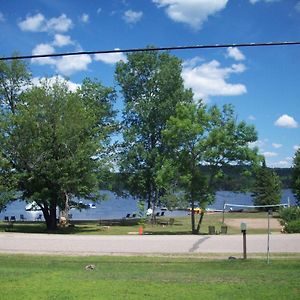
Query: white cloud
110,58
276,146
209,79
286,121
297,6
296,147
68,65
252,118
269,154
43,49
61,40
235,53
72,86
191,12
132,17
84,18
33,23
65,65
267,1
2,18
99,10
38,23
281,164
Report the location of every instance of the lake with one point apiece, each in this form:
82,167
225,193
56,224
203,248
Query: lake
116,207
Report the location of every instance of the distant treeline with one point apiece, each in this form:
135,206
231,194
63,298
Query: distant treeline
233,178
236,178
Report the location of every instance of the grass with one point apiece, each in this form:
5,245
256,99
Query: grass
45,277
182,225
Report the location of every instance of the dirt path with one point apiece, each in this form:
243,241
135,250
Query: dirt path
254,223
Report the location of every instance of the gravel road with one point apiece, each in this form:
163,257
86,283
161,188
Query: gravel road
145,244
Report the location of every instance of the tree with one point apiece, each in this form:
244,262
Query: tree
151,86
56,143
296,175
198,136
267,187
14,77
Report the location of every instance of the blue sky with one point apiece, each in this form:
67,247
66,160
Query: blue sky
262,83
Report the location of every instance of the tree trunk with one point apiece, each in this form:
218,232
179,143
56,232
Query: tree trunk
50,216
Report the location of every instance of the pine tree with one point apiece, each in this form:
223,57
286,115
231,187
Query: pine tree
296,176
267,187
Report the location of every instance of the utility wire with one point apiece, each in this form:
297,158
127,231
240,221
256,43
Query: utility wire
153,49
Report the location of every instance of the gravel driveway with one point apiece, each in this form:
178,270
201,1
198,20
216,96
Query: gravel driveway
145,244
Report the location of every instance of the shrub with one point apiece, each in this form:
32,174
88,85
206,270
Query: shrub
292,226
289,214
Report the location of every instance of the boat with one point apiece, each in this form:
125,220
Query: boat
32,206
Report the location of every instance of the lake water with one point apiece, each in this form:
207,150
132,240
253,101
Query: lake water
116,207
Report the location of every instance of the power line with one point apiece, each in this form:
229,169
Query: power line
153,49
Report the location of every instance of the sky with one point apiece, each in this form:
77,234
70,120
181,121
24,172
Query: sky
262,82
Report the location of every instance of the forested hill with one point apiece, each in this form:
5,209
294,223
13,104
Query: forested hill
235,178
238,178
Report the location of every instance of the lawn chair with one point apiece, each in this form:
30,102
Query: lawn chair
157,214
12,219
162,214
39,217
134,215
22,218
128,216
6,219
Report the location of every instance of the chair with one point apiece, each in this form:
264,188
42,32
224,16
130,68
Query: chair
39,217
157,214
13,219
6,219
22,218
133,215
128,216
162,214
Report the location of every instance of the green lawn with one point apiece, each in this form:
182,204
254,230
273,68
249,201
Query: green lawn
43,277
182,225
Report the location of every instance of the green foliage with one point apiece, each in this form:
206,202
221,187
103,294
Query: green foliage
289,214
267,187
151,86
197,136
55,143
292,226
290,219
14,76
296,176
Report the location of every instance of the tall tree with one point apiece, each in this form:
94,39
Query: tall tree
151,86
198,136
296,175
267,187
14,77
56,142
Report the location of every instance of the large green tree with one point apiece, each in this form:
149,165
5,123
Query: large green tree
56,141
200,136
267,187
296,175
151,85
14,77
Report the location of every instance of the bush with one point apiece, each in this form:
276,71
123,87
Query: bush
289,214
292,226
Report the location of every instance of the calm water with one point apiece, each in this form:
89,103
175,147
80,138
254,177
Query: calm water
116,207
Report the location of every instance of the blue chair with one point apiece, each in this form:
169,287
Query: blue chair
22,218
13,219
39,217
6,219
